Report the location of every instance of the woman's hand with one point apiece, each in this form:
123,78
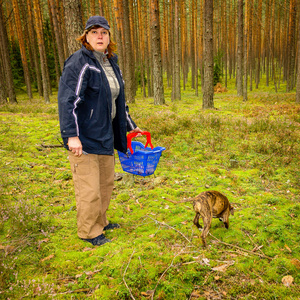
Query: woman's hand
75,145
138,130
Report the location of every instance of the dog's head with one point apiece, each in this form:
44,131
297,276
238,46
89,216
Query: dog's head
225,218
231,209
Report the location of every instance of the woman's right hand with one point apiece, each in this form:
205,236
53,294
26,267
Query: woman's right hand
75,145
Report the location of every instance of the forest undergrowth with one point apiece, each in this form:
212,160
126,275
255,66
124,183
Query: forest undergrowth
249,151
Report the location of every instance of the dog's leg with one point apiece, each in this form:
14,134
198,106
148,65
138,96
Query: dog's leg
207,224
196,220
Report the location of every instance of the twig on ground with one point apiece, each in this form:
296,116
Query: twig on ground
257,247
242,249
164,224
165,271
51,146
125,274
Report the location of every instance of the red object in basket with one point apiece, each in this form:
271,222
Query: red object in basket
134,134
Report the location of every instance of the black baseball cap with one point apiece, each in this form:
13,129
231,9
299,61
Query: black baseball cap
97,21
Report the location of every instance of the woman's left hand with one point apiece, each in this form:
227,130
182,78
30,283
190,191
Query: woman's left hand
138,130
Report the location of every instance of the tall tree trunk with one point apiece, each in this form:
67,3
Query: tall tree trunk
176,66
291,46
57,33
40,37
267,40
158,87
73,24
33,47
239,68
4,55
3,91
141,54
184,45
118,8
192,41
298,67
208,91
245,69
224,38
129,68
258,42
21,40
195,58
250,44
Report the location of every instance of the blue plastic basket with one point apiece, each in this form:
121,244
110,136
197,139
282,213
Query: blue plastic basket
143,161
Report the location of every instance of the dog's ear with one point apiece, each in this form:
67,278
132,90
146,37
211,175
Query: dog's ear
231,210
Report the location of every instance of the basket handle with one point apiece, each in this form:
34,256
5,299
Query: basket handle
134,134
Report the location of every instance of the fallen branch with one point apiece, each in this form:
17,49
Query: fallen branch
125,274
165,271
164,224
242,249
51,146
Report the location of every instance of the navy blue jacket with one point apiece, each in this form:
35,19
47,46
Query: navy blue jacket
84,102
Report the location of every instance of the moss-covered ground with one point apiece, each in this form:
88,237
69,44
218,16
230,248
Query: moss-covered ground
249,151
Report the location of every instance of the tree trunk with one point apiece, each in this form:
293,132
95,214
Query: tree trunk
245,70
4,55
208,91
3,91
239,68
258,42
158,87
22,47
184,44
33,46
73,24
176,66
298,68
42,50
291,47
195,52
57,33
118,8
129,67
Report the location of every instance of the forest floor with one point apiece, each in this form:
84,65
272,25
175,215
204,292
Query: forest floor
249,151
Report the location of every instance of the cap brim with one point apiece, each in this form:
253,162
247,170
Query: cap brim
101,25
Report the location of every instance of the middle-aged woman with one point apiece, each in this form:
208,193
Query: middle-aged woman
94,120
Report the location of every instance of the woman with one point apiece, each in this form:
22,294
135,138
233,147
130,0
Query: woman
94,120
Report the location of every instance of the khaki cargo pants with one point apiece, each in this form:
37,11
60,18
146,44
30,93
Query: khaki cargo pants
93,177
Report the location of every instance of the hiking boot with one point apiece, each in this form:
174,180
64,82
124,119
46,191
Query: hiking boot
111,226
98,241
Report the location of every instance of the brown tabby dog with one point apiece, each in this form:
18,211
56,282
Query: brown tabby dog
208,205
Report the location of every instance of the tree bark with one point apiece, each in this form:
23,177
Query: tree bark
74,27
208,91
57,33
291,47
298,68
158,87
245,69
258,42
40,38
4,55
129,67
176,59
22,46
239,68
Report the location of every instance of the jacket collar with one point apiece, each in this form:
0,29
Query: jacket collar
88,52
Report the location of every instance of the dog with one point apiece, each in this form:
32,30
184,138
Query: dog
208,205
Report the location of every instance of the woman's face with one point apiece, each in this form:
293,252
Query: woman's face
98,38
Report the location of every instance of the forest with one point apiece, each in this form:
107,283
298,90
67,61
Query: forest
217,84
251,39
